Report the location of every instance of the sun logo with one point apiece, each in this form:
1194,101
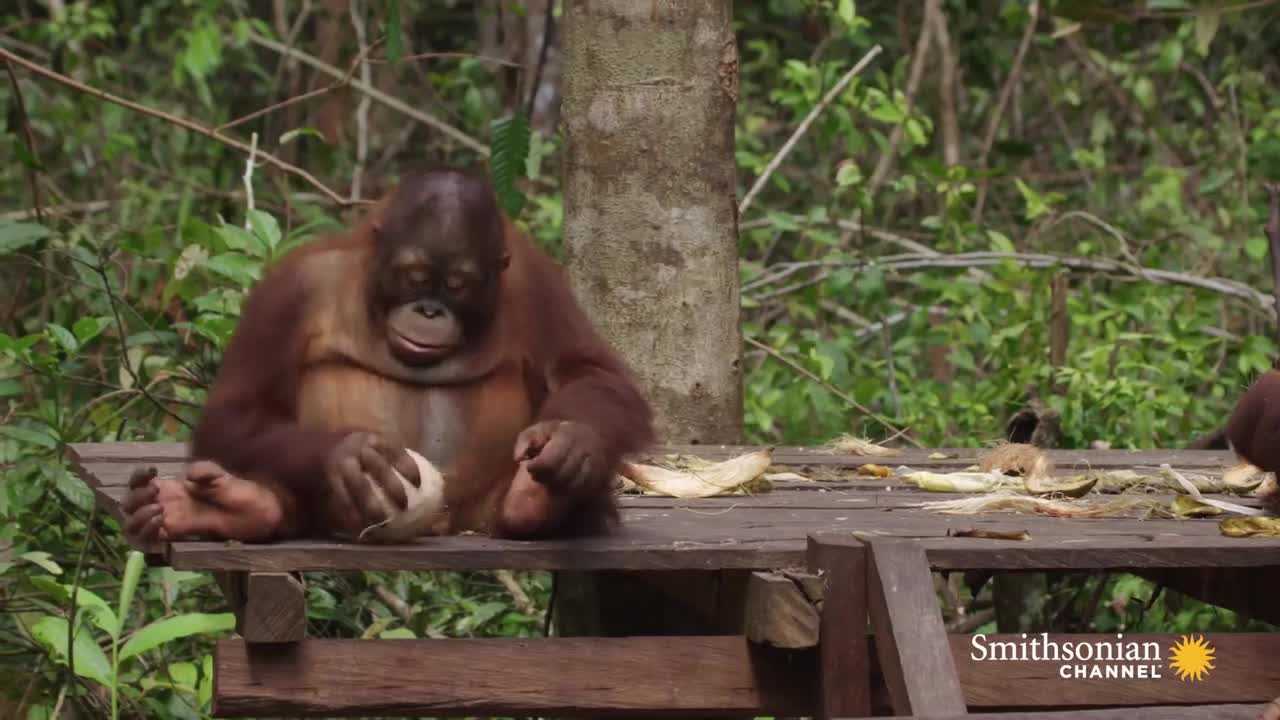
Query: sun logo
1191,658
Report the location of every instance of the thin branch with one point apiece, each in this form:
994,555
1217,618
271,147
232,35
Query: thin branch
777,355
1272,229
174,120
21,105
373,92
804,127
919,59
360,60
947,84
362,110
548,25
913,262
248,179
101,270
519,598
436,55
997,112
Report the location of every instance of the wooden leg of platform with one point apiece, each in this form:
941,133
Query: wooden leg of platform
911,641
844,685
269,606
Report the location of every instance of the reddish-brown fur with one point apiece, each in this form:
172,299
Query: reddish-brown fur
1254,429
306,367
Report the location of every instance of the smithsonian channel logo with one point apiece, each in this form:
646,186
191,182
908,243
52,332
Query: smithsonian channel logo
1189,658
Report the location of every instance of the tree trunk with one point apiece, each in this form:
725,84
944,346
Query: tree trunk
650,230
650,235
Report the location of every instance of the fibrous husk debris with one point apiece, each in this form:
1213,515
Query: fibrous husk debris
692,477
1250,527
1017,502
851,445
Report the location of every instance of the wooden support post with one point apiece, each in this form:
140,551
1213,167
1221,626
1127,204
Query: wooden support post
911,641
269,606
844,683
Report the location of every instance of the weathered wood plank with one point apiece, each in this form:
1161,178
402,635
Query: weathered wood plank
275,608
158,452
779,613
1161,712
1245,671
653,676
649,542
1093,552
911,641
844,674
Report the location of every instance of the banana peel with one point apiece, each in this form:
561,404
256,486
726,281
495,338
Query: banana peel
702,479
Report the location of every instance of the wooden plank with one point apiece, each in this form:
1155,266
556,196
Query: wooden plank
756,540
844,676
1245,671
653,676
911,641
779,613
158,452
1161,712
1091,552
275,609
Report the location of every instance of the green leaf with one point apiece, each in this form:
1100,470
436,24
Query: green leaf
71,488
133,568
86,600
393,30
288,137
235,237
90,661
847,11
87,328
1207,21
235,267
265,227
400,633
15,236
509,153
1256,247
29,436
43,559
62,336
848,174
173,628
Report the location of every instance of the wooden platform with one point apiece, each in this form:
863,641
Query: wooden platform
872,550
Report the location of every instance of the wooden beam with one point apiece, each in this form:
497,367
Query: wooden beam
844,685
276,608
1165,712
911,640
779,613
649,676
1245,671
1101,552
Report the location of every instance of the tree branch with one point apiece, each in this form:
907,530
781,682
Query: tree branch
804,127
919,59
997,113
373,92
174,120
912,262
777,355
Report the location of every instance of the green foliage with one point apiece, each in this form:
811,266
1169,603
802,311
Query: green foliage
509,145
1137,140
